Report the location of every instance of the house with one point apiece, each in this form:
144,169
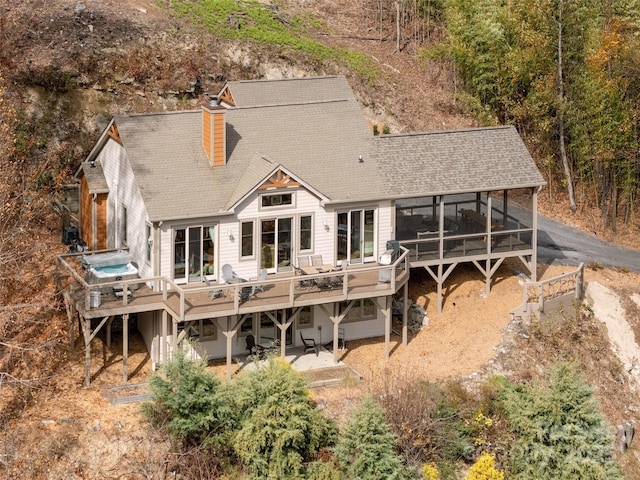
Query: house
267,176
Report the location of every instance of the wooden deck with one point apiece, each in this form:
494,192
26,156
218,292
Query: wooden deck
188,302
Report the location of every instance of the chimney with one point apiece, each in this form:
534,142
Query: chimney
213,134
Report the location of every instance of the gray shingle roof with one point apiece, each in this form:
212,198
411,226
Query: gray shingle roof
251,93
95,178
320,143
458,161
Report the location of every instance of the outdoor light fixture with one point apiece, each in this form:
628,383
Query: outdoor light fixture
230,234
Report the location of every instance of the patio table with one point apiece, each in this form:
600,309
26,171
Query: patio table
311,270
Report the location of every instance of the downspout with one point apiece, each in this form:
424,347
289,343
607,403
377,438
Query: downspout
155,251
116,216
94,223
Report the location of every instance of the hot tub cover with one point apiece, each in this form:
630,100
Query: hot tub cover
106,259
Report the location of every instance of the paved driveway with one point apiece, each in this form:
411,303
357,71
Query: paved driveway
559,244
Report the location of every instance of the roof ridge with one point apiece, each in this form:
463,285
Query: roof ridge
441,132
271,80
295,104
153,114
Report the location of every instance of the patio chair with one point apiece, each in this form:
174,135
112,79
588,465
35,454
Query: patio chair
316,260
337,282
304,261
300,273
227,273
213,293
309,345
261,278
253,348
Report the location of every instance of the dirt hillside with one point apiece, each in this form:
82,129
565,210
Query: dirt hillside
131,56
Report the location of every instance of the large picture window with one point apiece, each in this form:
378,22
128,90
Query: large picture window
202,330
362,310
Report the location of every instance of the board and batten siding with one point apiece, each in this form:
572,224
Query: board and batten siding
124,192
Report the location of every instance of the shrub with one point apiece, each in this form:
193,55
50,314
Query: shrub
561,434
279,427
186,401
484,469
426,426
366,448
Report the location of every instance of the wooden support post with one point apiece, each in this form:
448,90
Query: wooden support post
87,352
229,331
109,332
68,304
164,337
387,328
174,337
405,310
125,347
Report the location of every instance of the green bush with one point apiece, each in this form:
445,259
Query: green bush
280,430
560,433
366,447
186,401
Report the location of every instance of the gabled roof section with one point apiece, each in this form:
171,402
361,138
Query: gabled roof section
278,178
253,93
458,161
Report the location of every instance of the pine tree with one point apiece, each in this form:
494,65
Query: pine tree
561,434
366,448
186,400
280,430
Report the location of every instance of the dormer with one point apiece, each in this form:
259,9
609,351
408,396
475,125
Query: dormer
214,134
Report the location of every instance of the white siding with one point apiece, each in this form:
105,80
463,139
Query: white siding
123,191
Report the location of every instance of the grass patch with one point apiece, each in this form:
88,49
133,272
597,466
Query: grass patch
253,21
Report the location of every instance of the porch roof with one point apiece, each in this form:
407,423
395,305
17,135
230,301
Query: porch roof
457,161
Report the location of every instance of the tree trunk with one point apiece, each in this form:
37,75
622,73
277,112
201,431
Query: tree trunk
560,119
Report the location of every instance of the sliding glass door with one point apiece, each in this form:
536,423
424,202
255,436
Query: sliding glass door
194,253
356,235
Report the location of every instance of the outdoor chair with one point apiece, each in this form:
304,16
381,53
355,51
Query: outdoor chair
261,278
316,260
300,273
253,348
337,282
309,345
304,261
227,273
213,293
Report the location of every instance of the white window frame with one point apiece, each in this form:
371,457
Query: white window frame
253,239
272,207
311,232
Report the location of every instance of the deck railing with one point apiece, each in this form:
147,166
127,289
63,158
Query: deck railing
568,283
187,293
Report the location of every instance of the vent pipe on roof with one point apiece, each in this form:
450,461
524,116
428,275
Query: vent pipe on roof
214,134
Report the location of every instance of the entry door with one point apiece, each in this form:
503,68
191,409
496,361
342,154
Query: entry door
276,244
193,253
356,236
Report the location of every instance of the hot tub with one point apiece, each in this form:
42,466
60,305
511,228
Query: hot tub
109,267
